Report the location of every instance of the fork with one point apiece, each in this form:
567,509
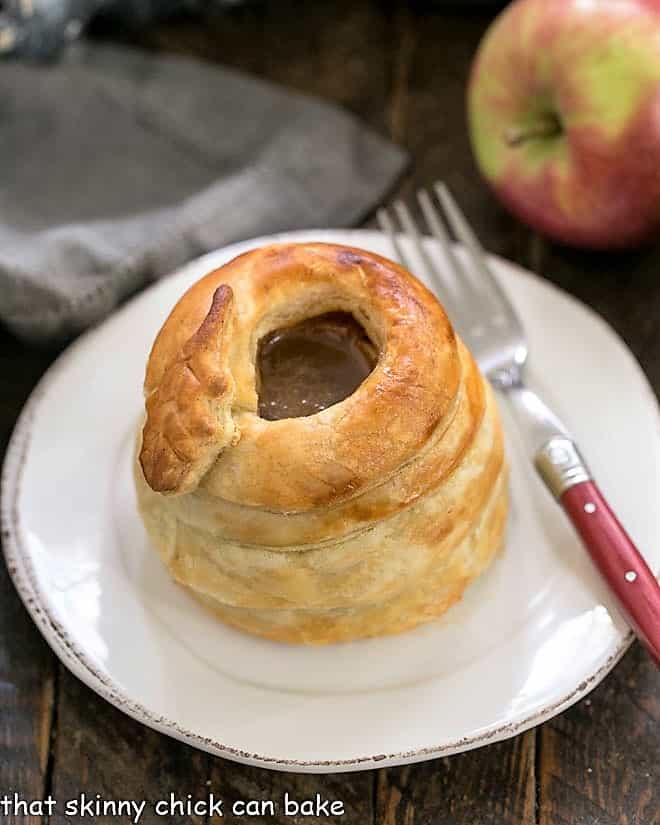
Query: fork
490,326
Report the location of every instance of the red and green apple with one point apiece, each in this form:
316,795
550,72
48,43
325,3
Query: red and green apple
564,116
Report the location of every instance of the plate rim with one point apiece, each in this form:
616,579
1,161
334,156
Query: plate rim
22,573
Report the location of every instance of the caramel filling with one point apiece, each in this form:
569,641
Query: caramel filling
312,365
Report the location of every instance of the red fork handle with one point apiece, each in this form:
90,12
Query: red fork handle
567,476
619,561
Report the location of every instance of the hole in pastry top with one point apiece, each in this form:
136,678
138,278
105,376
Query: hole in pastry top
309,366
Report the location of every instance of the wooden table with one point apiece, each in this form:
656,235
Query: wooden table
403,72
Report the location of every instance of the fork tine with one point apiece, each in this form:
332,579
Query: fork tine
437,227
466,236
457,219
410,228
412,233
387,225
455,290
434,272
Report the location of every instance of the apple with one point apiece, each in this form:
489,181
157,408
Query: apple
564,117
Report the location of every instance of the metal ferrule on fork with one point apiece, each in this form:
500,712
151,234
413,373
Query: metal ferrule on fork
560,465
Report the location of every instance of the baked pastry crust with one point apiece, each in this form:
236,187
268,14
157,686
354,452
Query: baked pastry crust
189,420
366,518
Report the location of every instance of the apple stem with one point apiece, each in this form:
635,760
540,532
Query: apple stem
550,126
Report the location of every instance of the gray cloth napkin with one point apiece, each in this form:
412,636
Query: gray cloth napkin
119,166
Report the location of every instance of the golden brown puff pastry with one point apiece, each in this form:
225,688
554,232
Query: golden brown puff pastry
363,519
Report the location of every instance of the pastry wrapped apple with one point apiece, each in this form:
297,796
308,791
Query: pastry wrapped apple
321,459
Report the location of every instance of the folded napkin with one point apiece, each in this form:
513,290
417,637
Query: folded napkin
121,165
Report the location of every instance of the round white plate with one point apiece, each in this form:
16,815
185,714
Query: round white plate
532,636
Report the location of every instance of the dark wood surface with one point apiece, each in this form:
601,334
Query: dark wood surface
403,70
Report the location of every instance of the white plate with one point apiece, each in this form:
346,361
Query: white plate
532,636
